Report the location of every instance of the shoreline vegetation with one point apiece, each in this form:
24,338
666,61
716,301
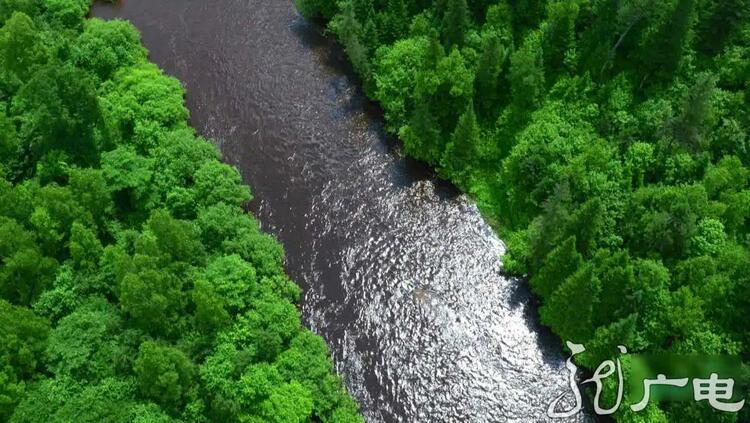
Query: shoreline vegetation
608,142
134,286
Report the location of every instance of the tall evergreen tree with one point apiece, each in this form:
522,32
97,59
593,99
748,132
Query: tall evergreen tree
665,48
421,137
455,23
559,35
570,307
559,264
461,150
487,95
395,21
720,20
435,51
689,127
527,73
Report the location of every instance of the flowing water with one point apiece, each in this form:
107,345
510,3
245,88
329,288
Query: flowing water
401,275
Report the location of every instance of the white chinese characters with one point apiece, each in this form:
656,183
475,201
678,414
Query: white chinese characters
718,392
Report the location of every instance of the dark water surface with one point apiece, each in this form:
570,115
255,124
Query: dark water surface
401,274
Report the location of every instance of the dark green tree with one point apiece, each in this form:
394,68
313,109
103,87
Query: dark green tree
455,23
164,373
487,84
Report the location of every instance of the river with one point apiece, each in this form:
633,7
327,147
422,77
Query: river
400,273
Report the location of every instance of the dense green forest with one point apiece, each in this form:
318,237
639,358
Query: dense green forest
133,285
607,139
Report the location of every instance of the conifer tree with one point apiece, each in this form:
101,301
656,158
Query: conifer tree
461,150
455,22
570,308
421,137
527,73
487,94
560,263
395,21
665,48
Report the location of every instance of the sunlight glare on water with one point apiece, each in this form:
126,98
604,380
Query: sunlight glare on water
401,275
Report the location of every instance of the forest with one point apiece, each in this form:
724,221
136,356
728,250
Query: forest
607,141
134,286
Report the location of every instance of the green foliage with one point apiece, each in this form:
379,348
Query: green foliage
608,140
28,7
396,72
66,14
85,345
527,73
164,373
21,49
141,105
134,287
488,86
463,144
317,8
455,23
58,110
105,47
24,337
570,307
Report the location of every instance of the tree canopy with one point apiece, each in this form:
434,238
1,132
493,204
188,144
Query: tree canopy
134,286
607,139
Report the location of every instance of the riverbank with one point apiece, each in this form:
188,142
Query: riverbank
610,145
134,286
400,274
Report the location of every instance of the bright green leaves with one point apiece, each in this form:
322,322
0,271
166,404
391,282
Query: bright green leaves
266,329
128,175
176,239
210,311
58,110
86,345
105,47
527,73
24,337
233,280
292,386
85,247
153,300
217,182
164,373
663,219
66,14
396,70
122,228
21,50
142,105
9,7
554,149
420,97
290,402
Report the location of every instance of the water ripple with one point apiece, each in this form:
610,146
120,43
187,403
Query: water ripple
402,276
